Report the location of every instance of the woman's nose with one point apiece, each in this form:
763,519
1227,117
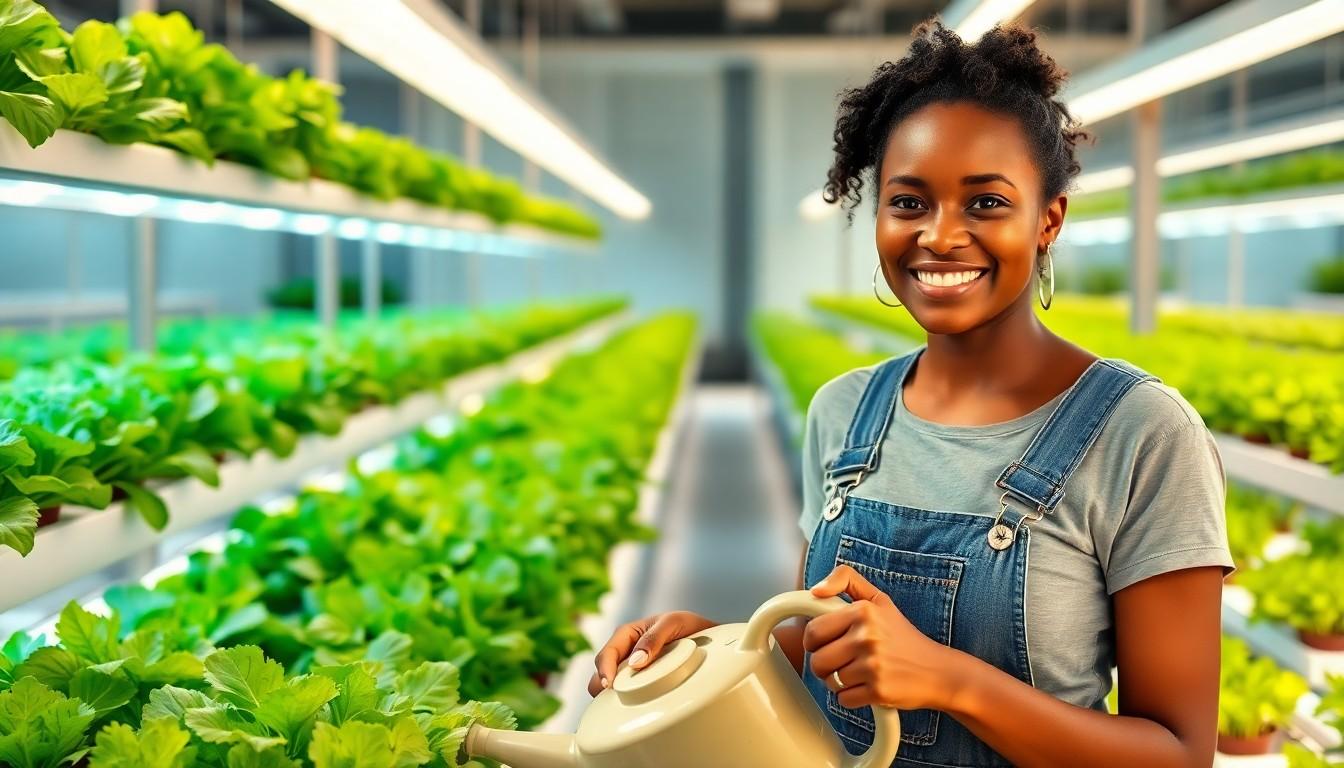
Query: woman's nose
945,231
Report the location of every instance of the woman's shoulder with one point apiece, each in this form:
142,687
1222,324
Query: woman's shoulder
1152,411
841,395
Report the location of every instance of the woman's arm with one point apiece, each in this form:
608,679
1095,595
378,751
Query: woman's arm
1167,635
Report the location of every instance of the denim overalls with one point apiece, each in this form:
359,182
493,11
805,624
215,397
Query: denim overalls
960,578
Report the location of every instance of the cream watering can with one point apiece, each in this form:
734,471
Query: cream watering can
727,697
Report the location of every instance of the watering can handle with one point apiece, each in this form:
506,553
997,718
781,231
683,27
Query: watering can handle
887,736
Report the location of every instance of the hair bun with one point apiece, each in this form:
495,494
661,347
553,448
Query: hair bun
1013,52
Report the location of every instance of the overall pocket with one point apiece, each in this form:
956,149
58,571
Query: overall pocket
924,587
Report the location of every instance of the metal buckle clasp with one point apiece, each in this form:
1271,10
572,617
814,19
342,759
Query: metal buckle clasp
836,504
1000,536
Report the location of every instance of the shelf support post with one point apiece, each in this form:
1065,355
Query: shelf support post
142,281
326,53
1146,197
373,278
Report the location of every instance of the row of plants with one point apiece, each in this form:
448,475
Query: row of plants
85,433
1301,589
153,79
805,355
1292,397
1304,169
368,627
1287,328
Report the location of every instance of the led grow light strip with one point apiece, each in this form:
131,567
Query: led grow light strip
1262,144
424,46
1225,40
50,195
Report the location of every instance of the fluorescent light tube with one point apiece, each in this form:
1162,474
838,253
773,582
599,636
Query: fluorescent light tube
423,45
1225,40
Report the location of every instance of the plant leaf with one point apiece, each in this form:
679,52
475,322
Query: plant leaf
220,724
76,92
171,701
430,687
90,637
34,116
101,691
243,676
291,710
96,44
18,523
159,743
148,504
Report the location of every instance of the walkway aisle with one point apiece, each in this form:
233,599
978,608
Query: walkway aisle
730,538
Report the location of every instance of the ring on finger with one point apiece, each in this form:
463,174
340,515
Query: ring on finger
835,677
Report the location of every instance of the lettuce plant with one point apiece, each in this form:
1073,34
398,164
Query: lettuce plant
1256,695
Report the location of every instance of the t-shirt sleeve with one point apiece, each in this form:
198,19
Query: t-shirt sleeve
814,493
1175,517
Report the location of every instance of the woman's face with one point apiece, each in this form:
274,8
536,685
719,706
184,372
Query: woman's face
959,219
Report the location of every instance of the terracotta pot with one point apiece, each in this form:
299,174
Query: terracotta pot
1321,642
541,678
1256,438
1238,745
1301,453
220,457
118,494
48,516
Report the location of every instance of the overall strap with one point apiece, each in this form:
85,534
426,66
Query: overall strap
871,419
1038,478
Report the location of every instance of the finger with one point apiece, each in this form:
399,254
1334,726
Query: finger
595,684
827,629
616,649
840,655
663,631
855,696
846,580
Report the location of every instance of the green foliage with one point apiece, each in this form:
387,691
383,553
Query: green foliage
1328,276
153,79
1253,517
1256,696
300,293
76,429
805,355
1302,590
1306,168
373,625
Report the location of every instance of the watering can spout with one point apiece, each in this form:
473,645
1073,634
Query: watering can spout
519,749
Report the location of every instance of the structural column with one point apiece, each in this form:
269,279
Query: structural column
327,257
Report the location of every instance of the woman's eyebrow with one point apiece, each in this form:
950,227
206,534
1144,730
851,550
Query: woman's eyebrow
982,178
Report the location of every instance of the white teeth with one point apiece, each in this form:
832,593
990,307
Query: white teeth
946,278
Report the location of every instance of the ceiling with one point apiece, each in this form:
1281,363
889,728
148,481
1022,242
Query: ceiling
504,19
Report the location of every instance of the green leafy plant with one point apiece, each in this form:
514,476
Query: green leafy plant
154,79
76,432
1256,696
301,294
1328,277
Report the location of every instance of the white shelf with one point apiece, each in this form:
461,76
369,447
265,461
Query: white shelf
1279,471
85,542
1277,641
571,686
77,171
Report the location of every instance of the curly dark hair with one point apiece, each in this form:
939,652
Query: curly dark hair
1004,72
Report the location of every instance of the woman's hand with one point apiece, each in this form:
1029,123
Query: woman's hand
647,637
882,658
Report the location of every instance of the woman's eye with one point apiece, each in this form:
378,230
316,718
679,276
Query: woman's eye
896,203
997,202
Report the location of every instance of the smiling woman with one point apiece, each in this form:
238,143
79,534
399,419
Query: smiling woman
1010,515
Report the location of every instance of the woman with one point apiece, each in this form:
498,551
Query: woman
1010,517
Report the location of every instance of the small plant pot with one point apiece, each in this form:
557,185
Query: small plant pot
48,516
1321,642
1256,437
220,457
1240,745
118,494
1300,453
541,678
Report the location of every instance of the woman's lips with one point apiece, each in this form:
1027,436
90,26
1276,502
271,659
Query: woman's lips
945,291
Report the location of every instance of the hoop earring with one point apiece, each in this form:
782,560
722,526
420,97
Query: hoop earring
1046,271
880,300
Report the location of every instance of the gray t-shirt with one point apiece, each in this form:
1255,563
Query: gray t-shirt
1147,499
